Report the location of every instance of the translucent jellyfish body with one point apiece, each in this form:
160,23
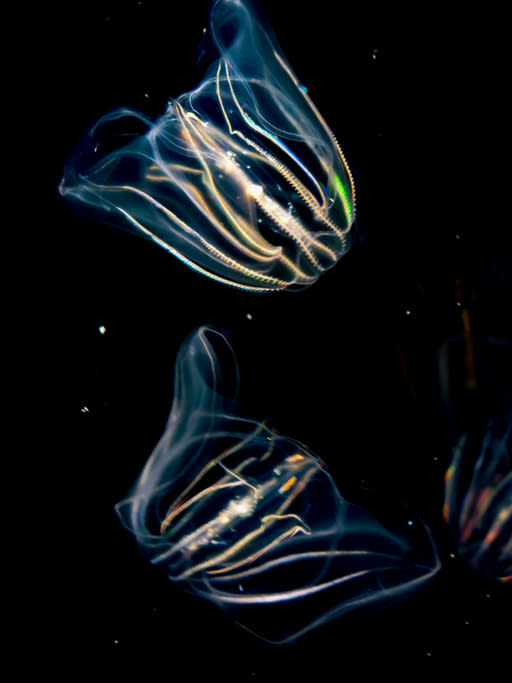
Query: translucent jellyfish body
241,178
253,521
478,498
476,387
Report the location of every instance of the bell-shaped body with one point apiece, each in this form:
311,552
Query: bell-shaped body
240,178
254,522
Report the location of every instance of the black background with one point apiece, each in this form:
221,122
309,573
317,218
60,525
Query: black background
416,99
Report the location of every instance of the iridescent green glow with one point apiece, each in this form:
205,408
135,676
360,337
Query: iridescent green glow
241,158
346,198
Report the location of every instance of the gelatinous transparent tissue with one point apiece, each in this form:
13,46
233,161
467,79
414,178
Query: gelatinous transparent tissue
476,382
478,498
253,521
241,178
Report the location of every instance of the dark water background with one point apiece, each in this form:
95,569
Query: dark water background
349,366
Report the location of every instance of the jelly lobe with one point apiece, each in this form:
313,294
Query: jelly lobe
476,389
253,521
241,178
478,498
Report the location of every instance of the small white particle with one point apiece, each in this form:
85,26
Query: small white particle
254,190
